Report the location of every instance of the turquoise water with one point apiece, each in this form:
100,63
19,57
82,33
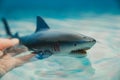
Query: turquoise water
101,63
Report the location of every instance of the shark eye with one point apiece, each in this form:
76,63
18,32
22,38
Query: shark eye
75,44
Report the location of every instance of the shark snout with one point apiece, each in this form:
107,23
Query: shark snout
89,39
92,40
88,42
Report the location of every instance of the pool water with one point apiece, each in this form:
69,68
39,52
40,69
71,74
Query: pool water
101,63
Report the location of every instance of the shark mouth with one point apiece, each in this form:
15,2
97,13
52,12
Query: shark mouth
79,51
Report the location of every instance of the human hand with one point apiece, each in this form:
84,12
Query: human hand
8,61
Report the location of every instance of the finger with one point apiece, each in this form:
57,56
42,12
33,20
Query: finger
26,58
15,41
5,43
16,50
6,56
1,54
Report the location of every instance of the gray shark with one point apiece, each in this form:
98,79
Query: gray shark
49,42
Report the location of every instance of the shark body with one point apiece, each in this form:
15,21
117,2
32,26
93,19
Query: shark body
57,42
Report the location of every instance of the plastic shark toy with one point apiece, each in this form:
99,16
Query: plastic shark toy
49,42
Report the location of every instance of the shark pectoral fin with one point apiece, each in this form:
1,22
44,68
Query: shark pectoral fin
41,24
42,54
34,56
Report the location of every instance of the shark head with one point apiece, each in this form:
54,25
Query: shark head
81,45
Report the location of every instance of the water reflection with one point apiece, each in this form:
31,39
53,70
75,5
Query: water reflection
73,67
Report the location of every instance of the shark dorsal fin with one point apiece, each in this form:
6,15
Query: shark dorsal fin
41,24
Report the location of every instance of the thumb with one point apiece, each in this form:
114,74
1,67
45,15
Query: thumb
5,43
